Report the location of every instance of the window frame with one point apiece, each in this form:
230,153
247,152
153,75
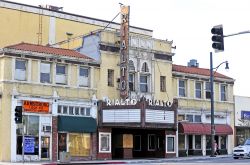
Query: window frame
82,77
184,88
21,69
208,90
150,140
41,71
198,90
223,93
108,141
110,76
174,146
65,74
163,83
146,84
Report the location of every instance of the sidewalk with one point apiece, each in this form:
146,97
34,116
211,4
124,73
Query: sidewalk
130,161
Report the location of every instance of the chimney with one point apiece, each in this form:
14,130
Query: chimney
193,63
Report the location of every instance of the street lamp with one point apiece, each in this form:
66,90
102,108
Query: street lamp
212,99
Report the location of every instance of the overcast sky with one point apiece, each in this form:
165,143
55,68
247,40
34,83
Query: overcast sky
188,23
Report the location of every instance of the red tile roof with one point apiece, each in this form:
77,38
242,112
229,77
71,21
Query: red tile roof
48,50
197,71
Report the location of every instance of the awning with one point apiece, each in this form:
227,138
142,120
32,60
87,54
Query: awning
204,128
76,124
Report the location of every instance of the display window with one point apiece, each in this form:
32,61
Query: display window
79,144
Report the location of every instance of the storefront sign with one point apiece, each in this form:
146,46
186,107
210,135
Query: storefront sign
134,102
35,106
29,145
124,51
245,115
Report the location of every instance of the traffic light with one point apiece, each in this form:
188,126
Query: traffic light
18,114
218,38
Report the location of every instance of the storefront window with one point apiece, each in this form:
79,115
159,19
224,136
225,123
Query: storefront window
151,142
208,142
223,142
170,144
197,141
181,142
137,142
79,144
104,142
62,141
31,136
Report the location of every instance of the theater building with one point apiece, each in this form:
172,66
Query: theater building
192,89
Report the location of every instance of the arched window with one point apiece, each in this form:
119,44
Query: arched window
144,67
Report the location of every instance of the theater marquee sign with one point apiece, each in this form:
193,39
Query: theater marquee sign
124,52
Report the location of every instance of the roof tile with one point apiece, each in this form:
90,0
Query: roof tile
198,71
48,50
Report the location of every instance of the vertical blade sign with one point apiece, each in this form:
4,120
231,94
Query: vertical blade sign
124,51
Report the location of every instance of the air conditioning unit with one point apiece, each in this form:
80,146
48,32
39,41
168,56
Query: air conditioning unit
46,128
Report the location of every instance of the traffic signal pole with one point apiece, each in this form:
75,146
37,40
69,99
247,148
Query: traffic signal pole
235,34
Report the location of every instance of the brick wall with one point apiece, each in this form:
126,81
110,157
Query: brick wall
54,138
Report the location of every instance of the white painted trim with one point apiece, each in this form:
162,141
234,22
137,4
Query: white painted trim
167,136
99,142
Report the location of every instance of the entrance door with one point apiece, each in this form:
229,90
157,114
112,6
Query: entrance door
45,147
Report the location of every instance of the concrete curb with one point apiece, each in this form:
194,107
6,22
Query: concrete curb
132,161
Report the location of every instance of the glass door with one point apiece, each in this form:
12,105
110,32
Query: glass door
45,147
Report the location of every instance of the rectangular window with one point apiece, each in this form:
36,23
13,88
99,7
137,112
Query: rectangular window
82,111
71,110
105,142
131,82
137,143
181,142
198,90
20,69
110,77
87,111
208,90
144,83
62,143
197,118
31,139
163,83
151,142
170,144
223,92
65,110
79,144
61,75
181,117
197,141
84,77
182,88
208,142
223,142
45,73
189,118
59,109
77,112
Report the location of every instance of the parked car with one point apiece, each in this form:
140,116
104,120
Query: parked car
242,151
